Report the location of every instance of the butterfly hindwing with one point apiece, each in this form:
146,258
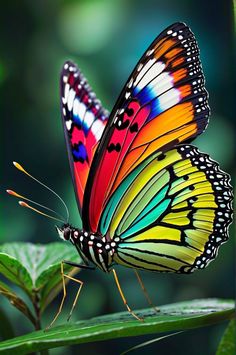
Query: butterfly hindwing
84,120
171,213
163,103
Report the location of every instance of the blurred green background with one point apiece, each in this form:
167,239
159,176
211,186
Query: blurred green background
106,39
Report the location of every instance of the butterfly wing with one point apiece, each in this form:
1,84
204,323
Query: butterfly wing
84,120
163,103
171,213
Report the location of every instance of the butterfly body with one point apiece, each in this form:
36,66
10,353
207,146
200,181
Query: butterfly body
92,247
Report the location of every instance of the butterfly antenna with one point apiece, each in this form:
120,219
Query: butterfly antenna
15,194
20,167
24,204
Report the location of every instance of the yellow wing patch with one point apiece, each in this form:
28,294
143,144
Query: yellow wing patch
158,233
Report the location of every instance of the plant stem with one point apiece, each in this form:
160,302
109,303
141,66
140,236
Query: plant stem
36,304
37,323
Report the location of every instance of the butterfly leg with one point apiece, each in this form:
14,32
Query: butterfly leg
123,297
77,295
145,291
64,276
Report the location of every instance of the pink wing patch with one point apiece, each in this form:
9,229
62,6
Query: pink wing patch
84,120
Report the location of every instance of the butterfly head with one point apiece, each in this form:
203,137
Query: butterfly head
65,231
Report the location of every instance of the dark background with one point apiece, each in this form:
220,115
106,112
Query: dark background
106,39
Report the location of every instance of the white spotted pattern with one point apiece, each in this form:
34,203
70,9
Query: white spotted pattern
223,216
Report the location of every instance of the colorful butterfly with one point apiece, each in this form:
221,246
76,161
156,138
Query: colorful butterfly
149,200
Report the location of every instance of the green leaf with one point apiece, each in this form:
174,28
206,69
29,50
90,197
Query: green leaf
14,270
49,281
174,317
16,301
36,268
227,344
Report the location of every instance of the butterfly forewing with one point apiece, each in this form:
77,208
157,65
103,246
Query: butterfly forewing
84,120
163,103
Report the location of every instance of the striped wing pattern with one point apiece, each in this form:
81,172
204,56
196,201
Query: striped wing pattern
171,213
163,103
84,120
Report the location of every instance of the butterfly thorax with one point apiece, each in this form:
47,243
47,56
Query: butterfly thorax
92,247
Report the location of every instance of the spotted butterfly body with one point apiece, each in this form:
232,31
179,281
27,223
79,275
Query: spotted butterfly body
149,199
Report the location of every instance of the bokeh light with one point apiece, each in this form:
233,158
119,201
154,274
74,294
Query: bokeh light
85,27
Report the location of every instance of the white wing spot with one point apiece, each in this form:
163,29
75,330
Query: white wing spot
76,107
81,110
161,83
169,99
140,66
97,129
70,100
149,72
68,125
149,52
130,83
66,92
89,118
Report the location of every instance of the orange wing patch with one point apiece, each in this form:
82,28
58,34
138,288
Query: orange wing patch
173,53
163,47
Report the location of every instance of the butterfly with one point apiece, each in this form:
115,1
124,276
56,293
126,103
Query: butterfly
149,200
